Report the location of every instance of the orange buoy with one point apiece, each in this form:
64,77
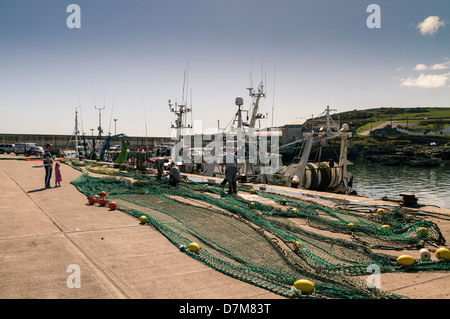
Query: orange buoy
102,201
103,194
112,205
91,200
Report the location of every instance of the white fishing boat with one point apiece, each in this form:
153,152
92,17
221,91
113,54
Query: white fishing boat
319,174
257,159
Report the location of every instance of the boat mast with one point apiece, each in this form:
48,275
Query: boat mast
329,120
181,110
76,132
256,98
180,113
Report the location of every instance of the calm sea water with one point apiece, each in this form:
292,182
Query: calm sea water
431,185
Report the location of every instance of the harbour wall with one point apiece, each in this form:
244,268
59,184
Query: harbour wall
61,141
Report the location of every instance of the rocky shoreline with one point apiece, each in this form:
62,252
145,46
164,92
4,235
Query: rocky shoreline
408,156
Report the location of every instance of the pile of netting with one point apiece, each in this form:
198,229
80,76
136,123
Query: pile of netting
253,241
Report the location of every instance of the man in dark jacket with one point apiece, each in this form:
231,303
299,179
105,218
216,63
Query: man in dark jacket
175,176
48,164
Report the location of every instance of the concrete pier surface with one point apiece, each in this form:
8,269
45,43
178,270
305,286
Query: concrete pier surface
45,232
48,236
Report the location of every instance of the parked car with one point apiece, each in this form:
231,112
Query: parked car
6,148
115,148
36,151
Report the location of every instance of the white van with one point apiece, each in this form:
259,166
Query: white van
6,148
23,148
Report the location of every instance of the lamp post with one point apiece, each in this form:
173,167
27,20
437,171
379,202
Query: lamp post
115,126
93,144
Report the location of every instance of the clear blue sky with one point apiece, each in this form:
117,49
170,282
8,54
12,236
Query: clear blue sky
130,56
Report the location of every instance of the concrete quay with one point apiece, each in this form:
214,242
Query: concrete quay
45,233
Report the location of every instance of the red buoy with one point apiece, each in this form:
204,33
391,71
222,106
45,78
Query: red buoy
102,201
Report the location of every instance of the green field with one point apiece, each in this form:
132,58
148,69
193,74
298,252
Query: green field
362,120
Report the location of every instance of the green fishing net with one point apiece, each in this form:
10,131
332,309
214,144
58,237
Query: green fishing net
253,240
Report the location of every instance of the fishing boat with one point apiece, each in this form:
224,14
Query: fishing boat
257,160
316,173
256,149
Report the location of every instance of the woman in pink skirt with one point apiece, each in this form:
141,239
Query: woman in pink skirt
58,177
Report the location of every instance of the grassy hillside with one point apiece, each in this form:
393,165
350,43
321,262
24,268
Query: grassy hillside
362,119
418,118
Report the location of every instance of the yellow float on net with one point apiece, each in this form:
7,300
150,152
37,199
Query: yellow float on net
296,245
143,219
305,286
405,260
252,191
381,211
422,232
443,253
251,205
386,227
351,225
194,247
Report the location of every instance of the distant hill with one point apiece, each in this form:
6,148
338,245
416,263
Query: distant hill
360,120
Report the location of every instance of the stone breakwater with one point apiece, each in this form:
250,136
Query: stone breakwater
408,156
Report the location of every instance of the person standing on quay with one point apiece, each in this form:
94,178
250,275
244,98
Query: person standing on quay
58,176
230,162
160,166
48,165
